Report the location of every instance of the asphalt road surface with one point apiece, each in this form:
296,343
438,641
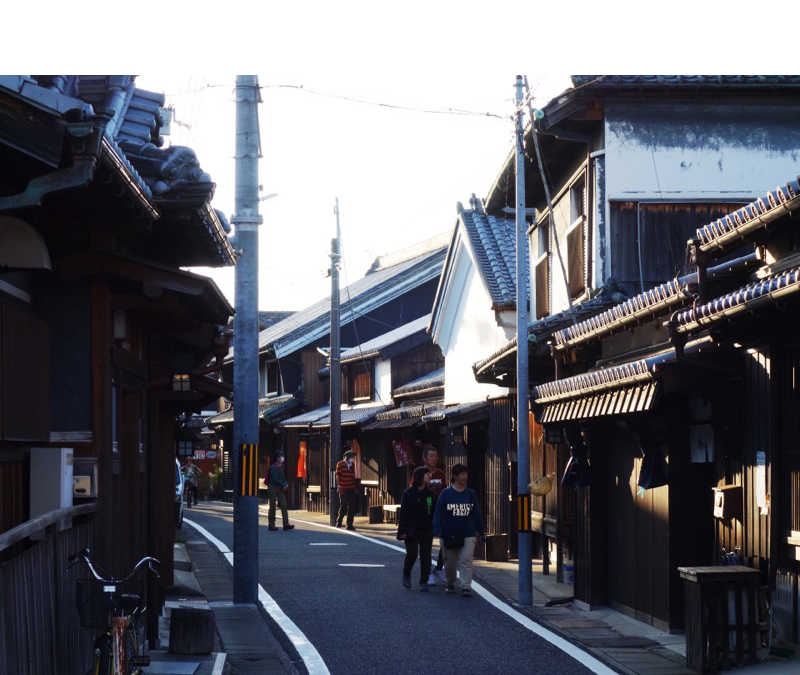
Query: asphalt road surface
344,593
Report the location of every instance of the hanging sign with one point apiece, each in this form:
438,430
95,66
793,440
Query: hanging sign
403,452
301,460
762,499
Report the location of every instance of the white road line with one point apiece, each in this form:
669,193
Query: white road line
360,565
219,664
311,658
557,641
325,543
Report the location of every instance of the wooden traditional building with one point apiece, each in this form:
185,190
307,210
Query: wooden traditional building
474,313
372,373
397,289
634,164
105,342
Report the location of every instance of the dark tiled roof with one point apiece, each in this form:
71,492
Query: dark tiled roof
268,409
493,242
427,383
540,330
267,319
735,226
321,417
593,381
376,346
170,176
360,297
455,411
225,417
643,305
746,298
404,412
685,80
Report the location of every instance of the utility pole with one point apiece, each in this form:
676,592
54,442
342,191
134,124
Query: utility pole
245,364
525,574
335,449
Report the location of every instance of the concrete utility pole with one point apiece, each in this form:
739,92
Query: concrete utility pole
335,449
525,574
245,341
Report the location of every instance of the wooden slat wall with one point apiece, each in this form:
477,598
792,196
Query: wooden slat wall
790,416
24,375
638,530
40,632
498,508
785,605
757,437
665,229
315,390
14,494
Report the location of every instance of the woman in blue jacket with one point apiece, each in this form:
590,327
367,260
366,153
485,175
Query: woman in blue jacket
458,522
415,526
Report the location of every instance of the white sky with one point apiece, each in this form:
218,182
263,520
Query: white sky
397,174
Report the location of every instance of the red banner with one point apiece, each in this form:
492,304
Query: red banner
403,452
301,460
355,447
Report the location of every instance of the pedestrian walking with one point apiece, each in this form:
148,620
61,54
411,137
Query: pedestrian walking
430,460
191,472
277,485
348,497
415,526
458,523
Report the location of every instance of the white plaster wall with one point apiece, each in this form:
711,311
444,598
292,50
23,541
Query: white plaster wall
699,150
383,380
475,336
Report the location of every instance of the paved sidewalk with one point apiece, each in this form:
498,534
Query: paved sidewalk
244,644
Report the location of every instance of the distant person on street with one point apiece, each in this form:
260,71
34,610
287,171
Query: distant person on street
348,497
430,460
457,522
277,485
191,472
415,526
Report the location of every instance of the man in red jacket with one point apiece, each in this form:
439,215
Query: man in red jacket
348,497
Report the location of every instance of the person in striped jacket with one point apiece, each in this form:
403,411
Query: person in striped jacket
348,497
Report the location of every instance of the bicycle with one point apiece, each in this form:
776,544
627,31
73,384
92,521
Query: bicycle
113,606
190,494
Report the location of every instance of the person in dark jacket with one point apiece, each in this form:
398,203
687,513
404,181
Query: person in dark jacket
458,523
276,491
415,526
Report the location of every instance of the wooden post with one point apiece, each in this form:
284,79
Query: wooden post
191,630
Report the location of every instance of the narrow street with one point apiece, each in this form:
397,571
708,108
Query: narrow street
344,593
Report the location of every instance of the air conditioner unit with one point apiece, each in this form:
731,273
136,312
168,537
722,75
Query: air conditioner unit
51,480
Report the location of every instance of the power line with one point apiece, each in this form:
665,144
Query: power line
351,99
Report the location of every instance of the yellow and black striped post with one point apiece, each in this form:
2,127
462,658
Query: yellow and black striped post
249,470
524,513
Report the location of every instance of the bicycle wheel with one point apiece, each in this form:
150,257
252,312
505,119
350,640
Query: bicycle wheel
103,660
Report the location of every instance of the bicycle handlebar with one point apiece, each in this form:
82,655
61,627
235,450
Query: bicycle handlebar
153,565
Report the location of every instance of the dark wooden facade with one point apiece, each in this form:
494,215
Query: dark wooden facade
89,341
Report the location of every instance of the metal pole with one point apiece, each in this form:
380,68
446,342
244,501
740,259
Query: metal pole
245,365
525,574
335,448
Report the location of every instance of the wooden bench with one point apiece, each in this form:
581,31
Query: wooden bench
391,512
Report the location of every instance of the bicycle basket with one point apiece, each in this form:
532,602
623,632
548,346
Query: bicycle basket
97,600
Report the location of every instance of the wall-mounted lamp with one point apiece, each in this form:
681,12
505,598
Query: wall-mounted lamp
181,382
